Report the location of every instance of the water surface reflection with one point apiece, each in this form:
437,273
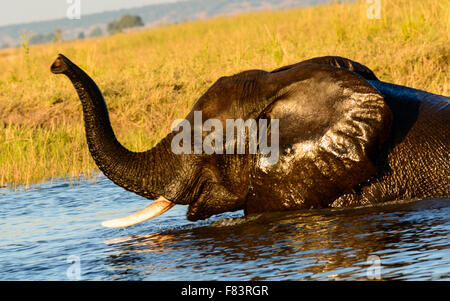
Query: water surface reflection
42,227
411,240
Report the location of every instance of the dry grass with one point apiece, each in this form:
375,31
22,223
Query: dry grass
152,77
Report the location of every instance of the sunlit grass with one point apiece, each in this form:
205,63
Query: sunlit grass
150,78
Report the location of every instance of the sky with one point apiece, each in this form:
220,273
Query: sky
25,11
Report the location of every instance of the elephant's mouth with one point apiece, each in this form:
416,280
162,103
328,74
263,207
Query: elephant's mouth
156,208
204,208
195,211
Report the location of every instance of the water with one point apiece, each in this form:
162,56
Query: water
53,232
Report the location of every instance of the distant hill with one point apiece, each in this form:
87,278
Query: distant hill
152,15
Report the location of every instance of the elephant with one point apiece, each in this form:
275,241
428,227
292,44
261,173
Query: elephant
345,139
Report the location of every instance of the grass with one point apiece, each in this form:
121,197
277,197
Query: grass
152,77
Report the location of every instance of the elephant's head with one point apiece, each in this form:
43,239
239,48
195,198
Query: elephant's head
328,88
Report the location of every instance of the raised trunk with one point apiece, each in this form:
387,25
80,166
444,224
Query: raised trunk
139,172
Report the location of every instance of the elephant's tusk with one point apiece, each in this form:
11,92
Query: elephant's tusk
156,208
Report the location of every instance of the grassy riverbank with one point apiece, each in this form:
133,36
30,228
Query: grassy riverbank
152,77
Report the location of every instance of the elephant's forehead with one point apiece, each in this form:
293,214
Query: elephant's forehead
231,97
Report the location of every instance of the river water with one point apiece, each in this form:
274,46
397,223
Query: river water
52,232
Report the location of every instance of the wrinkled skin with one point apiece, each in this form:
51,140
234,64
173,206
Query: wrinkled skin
346,139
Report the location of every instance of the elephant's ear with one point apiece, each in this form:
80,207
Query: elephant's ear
332,123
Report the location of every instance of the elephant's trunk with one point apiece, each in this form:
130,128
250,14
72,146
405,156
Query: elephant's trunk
139,172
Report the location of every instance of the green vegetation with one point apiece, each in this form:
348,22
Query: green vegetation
56,36
96,32
152,77
127,21
42,38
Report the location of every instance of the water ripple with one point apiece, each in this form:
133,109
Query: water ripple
41,228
